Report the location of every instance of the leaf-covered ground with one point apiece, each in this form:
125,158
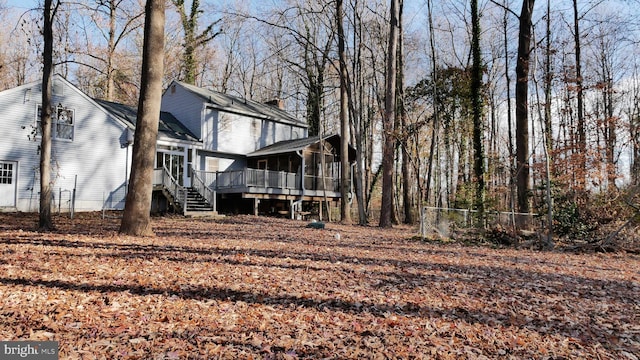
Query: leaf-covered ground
261,288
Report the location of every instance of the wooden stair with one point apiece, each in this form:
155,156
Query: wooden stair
197,205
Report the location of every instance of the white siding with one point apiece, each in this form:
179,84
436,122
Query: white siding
213,163
95,155
185,106
222,131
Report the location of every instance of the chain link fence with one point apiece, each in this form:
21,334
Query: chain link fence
445,220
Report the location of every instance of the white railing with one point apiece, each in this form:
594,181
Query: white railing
199,184
250,177
163,177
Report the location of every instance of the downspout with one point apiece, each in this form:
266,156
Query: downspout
299,202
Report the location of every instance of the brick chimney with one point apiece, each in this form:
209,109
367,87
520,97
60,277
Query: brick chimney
279,103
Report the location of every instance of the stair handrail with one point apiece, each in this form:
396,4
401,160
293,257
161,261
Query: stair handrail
202,188
176,190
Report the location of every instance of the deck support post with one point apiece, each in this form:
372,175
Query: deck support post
291,209
255,206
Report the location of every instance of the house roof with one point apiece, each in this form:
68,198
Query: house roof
57,78
168,126
289,146
234,104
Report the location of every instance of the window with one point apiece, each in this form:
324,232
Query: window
213,164
6,173
62,122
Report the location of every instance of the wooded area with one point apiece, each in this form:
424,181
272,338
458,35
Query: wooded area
489,106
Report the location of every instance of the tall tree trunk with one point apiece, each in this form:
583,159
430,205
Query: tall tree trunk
522,106
111,50
189,26
136,219
548,78
477,111
345,208
436,105
582,136
407,183
388,147
359,114
512,155
46,223
193,40
548,132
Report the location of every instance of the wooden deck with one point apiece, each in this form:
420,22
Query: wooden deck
267,184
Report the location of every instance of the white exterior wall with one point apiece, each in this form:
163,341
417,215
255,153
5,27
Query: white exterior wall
186,107
238,134
95,155
222,131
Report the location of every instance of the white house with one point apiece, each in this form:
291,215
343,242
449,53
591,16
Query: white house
89,149
229,127
255,156
212,149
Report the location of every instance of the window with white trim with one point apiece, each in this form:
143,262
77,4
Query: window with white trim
62,122
6,173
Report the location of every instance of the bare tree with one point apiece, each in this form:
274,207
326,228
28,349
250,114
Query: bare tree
389,138
121,20
46,222
345,209
477,109
193,40
522,106
407,181
136,219
582,135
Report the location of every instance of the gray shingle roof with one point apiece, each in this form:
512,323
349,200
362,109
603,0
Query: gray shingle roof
242,106
168,125
289,146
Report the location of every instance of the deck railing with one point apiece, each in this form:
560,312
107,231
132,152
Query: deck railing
267,179
199,184
251,178
163,177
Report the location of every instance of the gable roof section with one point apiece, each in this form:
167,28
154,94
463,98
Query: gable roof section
237,105
288,146
168,125
60,79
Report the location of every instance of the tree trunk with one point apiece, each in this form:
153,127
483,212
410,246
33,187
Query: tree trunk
193,40
189,26
358,116
477,111
407,183
548,77
582,136
136,219
111,50
436,112
522,106
388,147
345,170
512,155
46,223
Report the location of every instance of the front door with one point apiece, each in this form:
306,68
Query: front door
174,163
8,176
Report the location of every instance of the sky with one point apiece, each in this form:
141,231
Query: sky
20,4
